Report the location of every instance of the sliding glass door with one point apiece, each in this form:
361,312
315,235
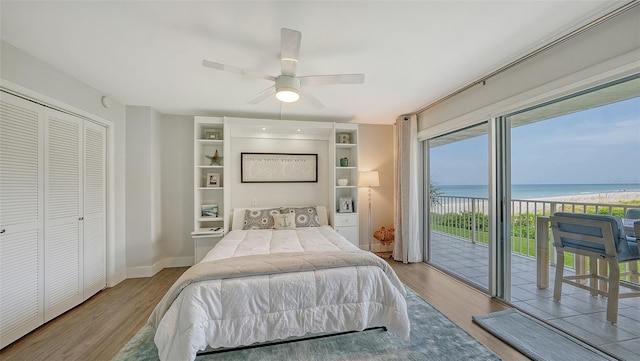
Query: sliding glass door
579,154
458,211
492,187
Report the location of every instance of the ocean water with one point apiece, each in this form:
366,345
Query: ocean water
520,191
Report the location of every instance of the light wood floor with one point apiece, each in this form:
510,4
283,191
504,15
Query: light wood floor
97,329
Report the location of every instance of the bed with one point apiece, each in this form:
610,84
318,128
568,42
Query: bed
260,285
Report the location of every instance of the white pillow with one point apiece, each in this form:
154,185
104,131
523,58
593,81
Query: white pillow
284,221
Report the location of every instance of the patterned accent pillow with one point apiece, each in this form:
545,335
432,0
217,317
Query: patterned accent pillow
305,216
285,221
259,218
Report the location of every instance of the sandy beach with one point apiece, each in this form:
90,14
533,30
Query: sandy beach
603,200
600,198
539,205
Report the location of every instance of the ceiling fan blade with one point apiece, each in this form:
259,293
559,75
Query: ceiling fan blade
263,95
234,69
315,80
290,50
313,100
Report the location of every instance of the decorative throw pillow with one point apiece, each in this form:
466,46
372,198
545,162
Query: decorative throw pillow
259,218
305,216
285,221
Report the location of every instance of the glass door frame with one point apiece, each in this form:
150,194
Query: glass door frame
499,273
499,208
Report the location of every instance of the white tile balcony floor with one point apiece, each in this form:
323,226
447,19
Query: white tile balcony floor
577,313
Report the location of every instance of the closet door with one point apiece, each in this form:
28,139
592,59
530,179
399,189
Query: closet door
21,218
63,209
95,263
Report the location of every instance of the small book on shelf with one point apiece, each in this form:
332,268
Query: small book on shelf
214,231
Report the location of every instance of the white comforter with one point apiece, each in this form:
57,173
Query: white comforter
241,311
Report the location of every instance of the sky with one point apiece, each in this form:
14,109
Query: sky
595,146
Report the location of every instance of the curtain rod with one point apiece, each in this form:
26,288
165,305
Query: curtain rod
534,53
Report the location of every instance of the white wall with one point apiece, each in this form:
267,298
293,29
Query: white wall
159,191
28,75
177,188
155,184
609,51
143,186
376,153
278,194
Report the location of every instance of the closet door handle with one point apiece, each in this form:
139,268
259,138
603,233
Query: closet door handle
81,218
2,231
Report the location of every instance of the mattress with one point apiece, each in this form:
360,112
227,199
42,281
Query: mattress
239,311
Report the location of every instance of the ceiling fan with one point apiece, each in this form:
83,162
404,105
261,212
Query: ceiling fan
287,87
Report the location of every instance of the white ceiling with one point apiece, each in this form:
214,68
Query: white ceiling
412,53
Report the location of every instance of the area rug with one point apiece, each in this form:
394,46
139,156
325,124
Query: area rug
536,339
433,337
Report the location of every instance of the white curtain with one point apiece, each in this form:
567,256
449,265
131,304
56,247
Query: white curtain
407,238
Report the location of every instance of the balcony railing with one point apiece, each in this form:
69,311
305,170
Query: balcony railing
467,218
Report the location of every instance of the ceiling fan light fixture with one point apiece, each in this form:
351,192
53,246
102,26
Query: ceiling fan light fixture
287,85
287,95
287,88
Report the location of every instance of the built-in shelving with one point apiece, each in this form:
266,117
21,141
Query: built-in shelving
345,199
209,178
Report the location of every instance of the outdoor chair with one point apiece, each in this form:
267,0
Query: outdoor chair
598,237
632,213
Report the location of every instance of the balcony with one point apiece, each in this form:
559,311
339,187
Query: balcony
458,245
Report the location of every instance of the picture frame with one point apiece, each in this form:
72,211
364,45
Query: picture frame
212,180
212,135
345,205
278,168
209,210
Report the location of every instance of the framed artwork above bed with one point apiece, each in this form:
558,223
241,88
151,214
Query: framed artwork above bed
278,168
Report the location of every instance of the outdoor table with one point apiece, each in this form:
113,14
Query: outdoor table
543,246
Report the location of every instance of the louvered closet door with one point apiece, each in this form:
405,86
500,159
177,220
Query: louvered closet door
21,218
63,212
95,266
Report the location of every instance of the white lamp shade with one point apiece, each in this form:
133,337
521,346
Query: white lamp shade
369,179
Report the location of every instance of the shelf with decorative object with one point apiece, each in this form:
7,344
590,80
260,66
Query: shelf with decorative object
345,187
210,196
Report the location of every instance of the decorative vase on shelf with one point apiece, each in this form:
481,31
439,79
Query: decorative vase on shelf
344,162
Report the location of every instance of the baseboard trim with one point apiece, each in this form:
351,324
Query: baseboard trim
178,262
116,278
150,271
